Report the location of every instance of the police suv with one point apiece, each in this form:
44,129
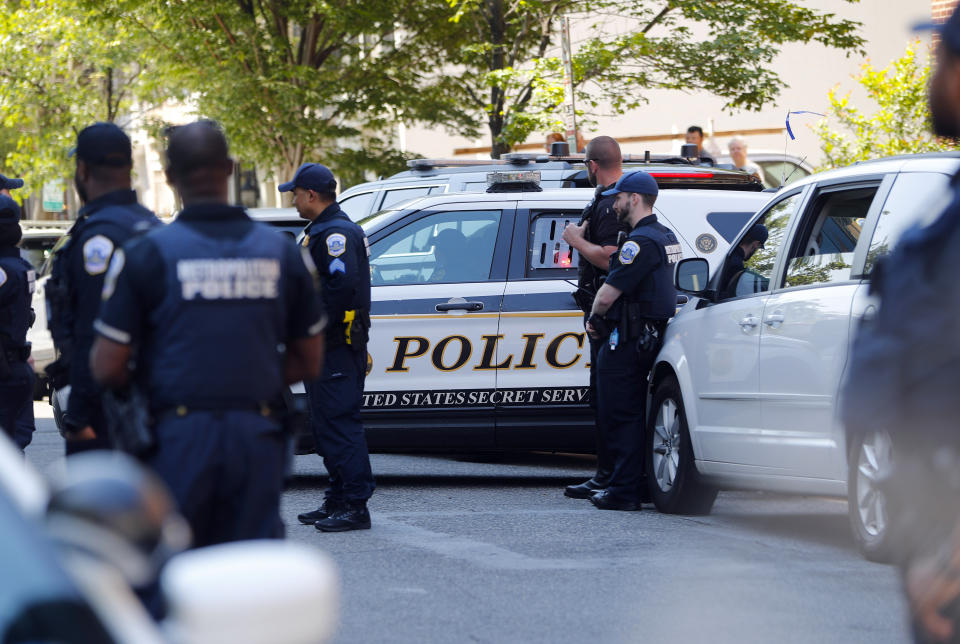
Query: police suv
476,342
746,386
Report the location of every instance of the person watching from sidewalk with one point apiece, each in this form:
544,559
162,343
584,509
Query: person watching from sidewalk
738,154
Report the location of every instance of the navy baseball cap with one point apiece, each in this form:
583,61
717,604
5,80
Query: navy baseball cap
311,176
638,181
9,210
10,184
949,31
758,232
104,144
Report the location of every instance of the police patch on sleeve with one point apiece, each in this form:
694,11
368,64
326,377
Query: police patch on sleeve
96,254
110,280
336,266
336,244
628,252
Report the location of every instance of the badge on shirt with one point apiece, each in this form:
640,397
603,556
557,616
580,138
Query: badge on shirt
3,277
628,252
336,244
96,254
110,280
306,240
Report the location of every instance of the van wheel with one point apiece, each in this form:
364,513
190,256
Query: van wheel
870,459
674,482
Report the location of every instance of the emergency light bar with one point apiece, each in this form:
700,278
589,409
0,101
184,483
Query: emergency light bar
514,181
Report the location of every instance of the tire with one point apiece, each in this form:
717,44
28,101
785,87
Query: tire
870,456
674,482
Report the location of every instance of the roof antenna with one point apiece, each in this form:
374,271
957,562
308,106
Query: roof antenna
646,156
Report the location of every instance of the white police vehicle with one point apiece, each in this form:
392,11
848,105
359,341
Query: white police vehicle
476,342
745,388
439,176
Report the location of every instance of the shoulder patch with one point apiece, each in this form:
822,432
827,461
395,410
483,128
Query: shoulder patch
336,244
3,277
628,252
110,281
96,254
336,266
674,253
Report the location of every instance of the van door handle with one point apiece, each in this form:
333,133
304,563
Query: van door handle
460,306
749,322
774,320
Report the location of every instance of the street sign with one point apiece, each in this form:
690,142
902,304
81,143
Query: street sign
52,196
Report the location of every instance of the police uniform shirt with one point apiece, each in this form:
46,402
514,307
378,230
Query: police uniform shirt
210,300
603,229
340,251
650,251
17,283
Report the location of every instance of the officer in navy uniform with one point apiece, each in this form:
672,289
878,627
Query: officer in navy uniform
340,250
17,282
110,216
220,314
26,423
904,377
595,238
629,316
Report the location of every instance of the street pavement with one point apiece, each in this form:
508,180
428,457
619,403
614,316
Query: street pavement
467,549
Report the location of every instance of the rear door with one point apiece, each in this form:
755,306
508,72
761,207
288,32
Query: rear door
543,357
437,284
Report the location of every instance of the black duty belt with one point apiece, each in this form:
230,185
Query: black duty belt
17,355
264,409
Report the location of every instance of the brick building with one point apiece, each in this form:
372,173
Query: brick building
940,10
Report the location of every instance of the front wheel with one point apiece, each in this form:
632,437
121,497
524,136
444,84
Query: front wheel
870,460
675,484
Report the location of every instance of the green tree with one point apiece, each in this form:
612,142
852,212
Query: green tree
292,81
503,63
60,71
901,122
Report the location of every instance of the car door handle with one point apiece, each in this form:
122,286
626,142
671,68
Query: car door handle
460,306
749,322
774,320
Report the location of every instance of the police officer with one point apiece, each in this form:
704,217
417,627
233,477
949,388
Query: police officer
220,314
903,380
26,423
595,239
17,282
339,248
110,216
628,318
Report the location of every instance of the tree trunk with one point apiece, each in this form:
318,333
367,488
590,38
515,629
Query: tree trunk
498,149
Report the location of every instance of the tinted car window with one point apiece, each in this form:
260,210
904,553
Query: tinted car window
357,206
728,224
393,197
824,252
907,203
442,247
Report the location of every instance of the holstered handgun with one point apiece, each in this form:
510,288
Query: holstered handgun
128,420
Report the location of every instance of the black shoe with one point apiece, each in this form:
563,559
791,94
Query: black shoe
353,516
583,491
324,511
606,500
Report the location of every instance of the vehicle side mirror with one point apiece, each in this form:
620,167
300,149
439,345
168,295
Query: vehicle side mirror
251,591
692,275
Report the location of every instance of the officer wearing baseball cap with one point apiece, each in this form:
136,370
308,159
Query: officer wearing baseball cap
17,281
339,249
629,315
109,217
6,185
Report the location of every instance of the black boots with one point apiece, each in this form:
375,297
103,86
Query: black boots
350,516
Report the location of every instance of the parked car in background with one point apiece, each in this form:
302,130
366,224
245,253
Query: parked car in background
779,169
745,389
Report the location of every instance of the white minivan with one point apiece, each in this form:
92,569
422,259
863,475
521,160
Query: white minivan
745,388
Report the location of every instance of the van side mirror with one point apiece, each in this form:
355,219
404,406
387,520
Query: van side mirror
692,275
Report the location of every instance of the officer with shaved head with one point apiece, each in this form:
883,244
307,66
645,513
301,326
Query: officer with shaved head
219,314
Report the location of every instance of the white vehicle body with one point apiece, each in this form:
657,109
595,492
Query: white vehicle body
760,373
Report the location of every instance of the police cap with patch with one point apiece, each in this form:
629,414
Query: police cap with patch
9,210
104,144
311,176
949,31
638,181
758,232
10,184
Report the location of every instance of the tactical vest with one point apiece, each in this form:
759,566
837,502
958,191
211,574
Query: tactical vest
216,334
655,298
589,277
16,316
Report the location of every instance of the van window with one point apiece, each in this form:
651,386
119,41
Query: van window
910,200
728,224
358,206
395,196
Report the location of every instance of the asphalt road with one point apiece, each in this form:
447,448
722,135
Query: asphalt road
469,550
